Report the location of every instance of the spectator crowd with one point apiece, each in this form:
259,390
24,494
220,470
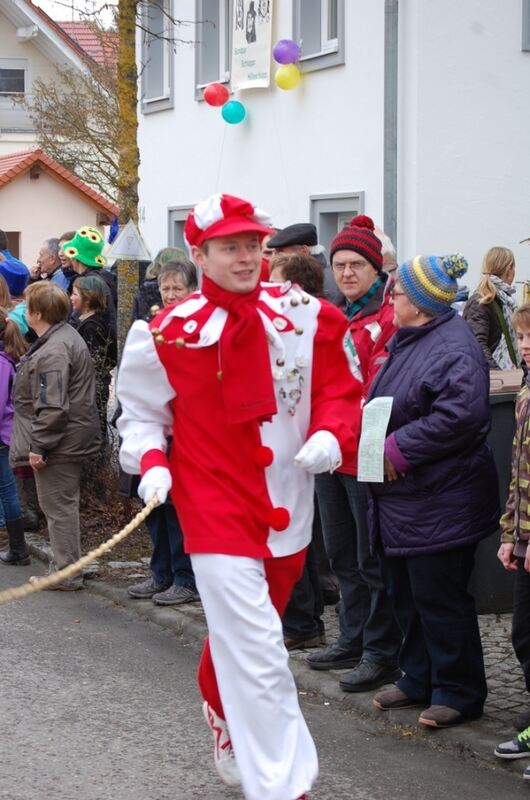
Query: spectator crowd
393,555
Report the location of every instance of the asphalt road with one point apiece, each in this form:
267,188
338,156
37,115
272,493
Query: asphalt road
98,705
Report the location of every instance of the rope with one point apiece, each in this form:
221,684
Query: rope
48,581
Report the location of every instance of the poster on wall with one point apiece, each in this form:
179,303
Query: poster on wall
251,44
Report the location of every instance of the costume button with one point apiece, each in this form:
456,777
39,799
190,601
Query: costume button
263,456
280,362
180,342
279,519
190,326
279,323
294,301
305,300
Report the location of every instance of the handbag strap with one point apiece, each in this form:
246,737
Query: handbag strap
505,332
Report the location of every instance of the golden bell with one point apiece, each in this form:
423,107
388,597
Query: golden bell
159,339
299,331
220,375
155,331
180,342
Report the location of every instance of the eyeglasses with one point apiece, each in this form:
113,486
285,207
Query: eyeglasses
354,266
393,293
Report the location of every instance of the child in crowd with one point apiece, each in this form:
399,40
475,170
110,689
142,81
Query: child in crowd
514,553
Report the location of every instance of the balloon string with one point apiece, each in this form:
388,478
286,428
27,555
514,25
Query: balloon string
220,158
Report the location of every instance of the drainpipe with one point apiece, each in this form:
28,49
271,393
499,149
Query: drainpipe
390,118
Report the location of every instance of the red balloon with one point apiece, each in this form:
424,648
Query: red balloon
216,94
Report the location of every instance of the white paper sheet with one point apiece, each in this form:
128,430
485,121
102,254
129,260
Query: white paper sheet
371,461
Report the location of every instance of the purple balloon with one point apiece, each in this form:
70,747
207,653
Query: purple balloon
286,51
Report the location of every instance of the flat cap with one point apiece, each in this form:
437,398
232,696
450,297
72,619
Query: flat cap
301,233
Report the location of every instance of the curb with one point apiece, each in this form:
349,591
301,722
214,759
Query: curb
475,740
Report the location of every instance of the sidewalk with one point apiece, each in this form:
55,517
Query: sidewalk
507,693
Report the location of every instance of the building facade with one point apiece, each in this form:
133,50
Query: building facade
413,112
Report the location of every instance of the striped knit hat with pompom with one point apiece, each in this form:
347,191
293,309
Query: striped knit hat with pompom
430,281
359,236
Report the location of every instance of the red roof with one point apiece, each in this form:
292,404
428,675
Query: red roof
97,43
12,165
82,37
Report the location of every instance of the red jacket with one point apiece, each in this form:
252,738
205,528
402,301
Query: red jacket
370,330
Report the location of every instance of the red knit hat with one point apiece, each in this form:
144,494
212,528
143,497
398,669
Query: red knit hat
224,215
359,236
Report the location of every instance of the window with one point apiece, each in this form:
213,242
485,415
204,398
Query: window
177,218
319,26
213,42
13,76
12,81
331,212
157,56
525,43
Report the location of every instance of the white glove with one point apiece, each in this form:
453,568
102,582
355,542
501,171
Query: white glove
321,453
156,480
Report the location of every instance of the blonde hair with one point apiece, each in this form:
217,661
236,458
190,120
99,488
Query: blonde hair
497,261
521,317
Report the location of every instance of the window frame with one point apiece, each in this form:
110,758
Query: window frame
21,64
150,105
323,206
225,46
177,214
332,50
525,32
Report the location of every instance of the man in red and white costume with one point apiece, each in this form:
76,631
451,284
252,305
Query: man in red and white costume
253,383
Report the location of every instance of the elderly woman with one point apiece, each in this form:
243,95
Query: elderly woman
488,311
172,581
148,295
56,423
440,496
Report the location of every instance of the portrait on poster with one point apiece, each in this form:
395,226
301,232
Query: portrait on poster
251,44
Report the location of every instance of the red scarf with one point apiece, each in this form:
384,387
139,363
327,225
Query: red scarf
247,386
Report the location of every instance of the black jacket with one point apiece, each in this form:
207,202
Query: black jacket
483,321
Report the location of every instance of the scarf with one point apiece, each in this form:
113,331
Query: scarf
505,297
351,309
246,378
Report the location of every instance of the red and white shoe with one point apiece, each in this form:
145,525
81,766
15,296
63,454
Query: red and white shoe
224,758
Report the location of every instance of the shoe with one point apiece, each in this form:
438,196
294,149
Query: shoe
441,717
224,758
146,589
17,555
369,675
522,721
299,644
66,586
175,596
334,657
516,748
395,698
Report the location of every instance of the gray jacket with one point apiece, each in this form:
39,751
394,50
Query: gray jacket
55,400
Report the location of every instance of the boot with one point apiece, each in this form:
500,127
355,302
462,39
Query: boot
29,504
18,553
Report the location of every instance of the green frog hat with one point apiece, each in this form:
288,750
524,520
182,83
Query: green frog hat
86,247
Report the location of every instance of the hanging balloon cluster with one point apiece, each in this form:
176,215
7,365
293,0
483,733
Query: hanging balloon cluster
286,52
232,111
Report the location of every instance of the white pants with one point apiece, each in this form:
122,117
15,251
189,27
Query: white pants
274,750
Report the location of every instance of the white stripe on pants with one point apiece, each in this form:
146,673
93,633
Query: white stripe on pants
273,747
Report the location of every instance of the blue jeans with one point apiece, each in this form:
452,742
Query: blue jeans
169,563
367,623
8,488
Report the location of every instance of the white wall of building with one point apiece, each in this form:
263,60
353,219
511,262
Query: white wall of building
325,136
464,122
463,132
50,207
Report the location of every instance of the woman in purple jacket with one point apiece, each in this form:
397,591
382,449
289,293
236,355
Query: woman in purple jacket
12,348
440,494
